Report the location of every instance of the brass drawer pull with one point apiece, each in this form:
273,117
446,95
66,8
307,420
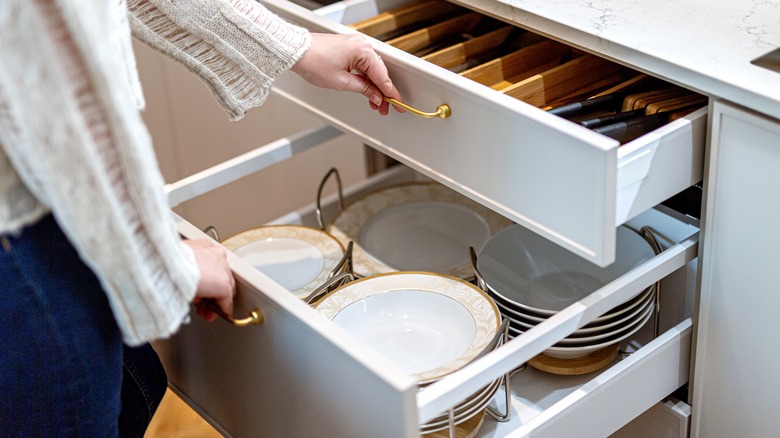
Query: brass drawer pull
442,111
255,317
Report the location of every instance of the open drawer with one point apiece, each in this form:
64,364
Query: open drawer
555,177
300,375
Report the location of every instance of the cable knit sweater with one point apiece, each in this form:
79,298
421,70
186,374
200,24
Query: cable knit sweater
72,141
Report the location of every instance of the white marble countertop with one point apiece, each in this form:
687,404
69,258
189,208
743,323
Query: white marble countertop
705,45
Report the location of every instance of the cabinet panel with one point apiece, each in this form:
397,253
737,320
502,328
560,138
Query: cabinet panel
295,375
735,388
535,168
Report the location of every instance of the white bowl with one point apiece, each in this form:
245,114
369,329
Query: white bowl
297,257
427,324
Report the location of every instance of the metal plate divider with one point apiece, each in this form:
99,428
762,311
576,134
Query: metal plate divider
441,395
245,164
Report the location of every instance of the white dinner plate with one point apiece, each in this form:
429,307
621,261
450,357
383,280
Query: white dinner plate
609,325
615,314
582,341
583,333
428,324
415,226
464,412
297,257
566,352
534,274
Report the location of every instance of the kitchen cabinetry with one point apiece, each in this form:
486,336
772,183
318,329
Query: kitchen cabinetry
299,375
739,293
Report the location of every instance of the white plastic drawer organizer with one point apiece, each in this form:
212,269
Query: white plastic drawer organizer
500,148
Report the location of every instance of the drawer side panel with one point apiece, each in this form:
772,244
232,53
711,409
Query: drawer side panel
535,175
294,375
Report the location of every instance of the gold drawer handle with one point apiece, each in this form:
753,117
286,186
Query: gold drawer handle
255,317
442,111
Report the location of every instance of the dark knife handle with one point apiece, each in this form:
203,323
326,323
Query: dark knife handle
600,103
630,129
610,119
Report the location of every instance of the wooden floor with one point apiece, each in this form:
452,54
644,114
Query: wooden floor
174,419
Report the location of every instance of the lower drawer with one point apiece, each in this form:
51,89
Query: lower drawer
669,418
299,375
596,404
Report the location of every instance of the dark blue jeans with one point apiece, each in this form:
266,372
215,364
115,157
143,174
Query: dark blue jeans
64,370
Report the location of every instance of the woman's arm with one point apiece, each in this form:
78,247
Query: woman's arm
239,48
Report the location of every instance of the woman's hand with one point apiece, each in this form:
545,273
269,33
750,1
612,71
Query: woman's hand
216,279
347,63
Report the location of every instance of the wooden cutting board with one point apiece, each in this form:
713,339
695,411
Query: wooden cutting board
578,365
467,429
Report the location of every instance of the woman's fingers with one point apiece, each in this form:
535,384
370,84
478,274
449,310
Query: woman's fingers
216,279
348,63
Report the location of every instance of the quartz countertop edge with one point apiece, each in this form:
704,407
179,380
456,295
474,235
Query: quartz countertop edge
706,46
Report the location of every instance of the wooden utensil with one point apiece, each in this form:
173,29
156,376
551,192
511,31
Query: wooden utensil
676,103
642,99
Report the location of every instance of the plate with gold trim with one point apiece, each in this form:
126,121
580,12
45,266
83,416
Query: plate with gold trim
298,257
426,323
422,226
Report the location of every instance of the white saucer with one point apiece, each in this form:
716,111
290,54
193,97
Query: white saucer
298,258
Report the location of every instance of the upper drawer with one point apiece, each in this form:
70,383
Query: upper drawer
564,181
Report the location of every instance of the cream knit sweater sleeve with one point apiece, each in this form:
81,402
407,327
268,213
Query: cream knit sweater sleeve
237,46
72,140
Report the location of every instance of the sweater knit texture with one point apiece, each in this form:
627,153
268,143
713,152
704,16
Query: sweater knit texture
73,143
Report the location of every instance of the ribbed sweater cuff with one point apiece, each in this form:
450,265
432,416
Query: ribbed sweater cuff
238,47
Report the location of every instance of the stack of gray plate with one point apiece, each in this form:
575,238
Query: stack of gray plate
531,279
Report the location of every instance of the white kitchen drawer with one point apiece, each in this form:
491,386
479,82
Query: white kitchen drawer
299,375
669,418
561,180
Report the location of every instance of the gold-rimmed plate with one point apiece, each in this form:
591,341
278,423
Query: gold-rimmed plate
428,324
420,226
297,257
